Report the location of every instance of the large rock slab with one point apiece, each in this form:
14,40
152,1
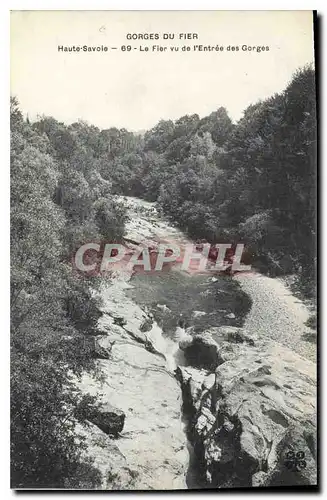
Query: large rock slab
138,380
153,440
259,409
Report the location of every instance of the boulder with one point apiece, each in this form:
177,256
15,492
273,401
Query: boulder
146,325
252,425
118,320
99,352
201,352
197,314
108,418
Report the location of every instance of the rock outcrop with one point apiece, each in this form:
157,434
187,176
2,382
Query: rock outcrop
108,418
252,420
150,451
249,402
97,351
201,351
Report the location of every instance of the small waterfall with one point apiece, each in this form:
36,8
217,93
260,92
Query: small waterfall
169,347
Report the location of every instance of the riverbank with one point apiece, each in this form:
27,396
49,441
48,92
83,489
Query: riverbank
276,313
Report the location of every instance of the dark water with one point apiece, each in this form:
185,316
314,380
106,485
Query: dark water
184,294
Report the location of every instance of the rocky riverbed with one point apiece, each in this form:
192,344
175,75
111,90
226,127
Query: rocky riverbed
226,399
251,407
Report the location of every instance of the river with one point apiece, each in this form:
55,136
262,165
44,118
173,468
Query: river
143,314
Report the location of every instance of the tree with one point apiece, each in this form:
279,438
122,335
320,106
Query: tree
52,311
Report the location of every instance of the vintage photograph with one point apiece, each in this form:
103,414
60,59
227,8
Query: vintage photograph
163,250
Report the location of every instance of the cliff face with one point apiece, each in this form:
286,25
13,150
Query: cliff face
252,419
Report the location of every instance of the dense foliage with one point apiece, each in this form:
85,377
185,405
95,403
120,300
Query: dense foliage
58,200
251,182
